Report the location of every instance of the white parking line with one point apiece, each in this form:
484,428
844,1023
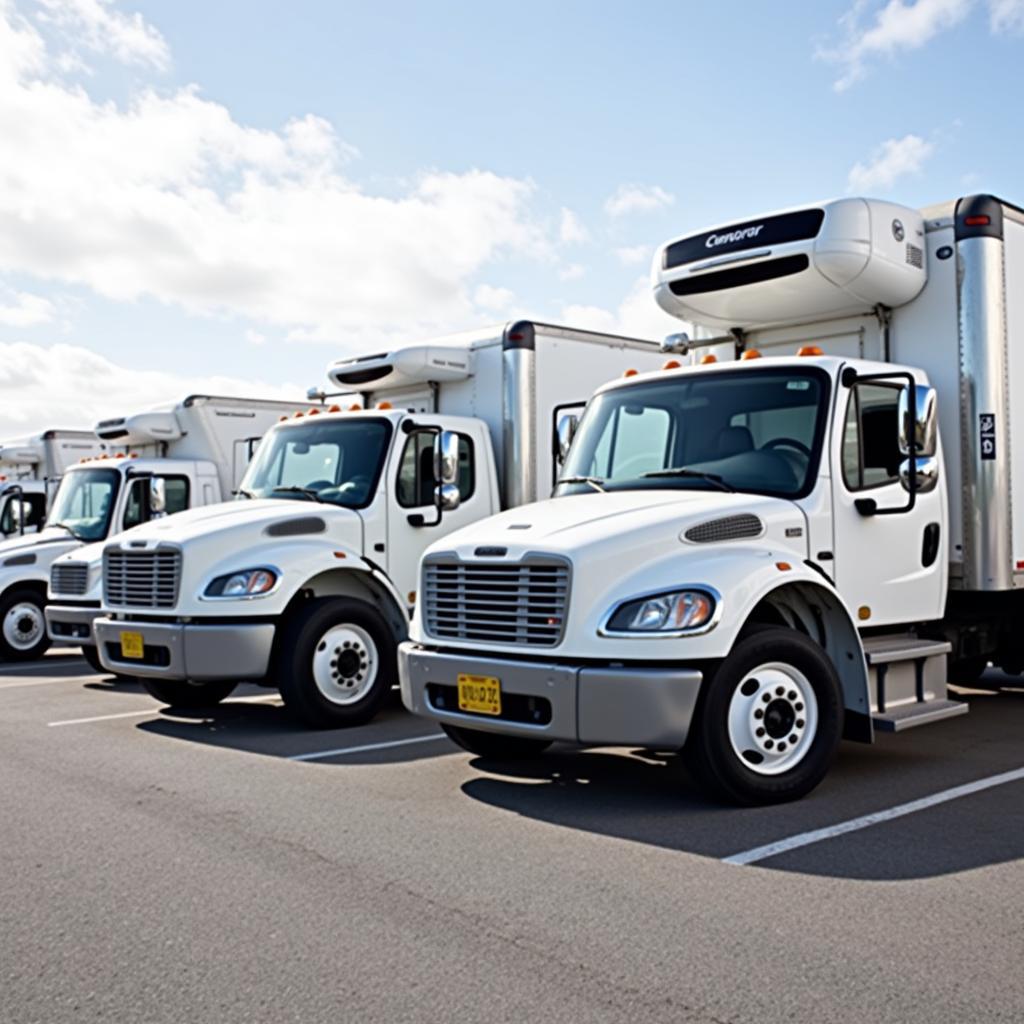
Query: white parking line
152,711
48,682
317,755
759,853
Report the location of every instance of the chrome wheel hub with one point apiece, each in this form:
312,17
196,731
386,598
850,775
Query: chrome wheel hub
345,664
773,718
23,625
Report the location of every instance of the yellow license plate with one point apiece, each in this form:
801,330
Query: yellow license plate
479,694
131,645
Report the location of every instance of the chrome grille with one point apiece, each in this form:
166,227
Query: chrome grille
726,528
515,603
69,578
141,579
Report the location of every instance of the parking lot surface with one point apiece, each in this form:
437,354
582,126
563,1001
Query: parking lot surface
226,866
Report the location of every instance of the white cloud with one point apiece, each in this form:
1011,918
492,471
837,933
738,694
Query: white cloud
255,337
896,26
638,315
97,25
573,272
894,159
21,309
570,230
631,255
637,199
1006,15
69,386
169,196
494,300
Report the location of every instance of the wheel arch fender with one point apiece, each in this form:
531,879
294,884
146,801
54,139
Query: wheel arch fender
36,585
813,608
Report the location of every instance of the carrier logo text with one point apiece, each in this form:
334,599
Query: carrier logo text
741,235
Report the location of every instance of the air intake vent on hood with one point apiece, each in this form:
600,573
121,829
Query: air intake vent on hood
728,528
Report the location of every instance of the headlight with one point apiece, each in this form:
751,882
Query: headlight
247,583
674,612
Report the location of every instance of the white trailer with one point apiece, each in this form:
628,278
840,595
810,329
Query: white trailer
156,462
31,468
308,585
799,535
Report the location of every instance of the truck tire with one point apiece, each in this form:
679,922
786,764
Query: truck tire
182,693
23,634
338,662
92,656
494,746
769,720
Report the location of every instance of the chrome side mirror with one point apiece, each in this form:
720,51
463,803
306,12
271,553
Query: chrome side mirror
919,426
567,425
157,495
446,470
926,470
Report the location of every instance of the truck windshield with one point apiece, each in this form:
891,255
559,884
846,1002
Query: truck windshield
756,430
335,460
84,502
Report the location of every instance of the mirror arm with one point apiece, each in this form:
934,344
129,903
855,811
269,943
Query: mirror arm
416,519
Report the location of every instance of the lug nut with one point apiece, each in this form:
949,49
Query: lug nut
766,698
760,732
759,713
792,739
799,723
782,747
791,695
799,707
779,691
769,744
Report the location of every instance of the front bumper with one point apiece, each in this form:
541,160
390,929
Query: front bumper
70,625
188,651
592,705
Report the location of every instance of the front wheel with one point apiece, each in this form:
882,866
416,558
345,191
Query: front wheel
182,693
22,626
338,662
92,657
769,722
495,746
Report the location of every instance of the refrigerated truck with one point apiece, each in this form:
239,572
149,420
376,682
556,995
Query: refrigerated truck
800,535
306,584
158,461
31,468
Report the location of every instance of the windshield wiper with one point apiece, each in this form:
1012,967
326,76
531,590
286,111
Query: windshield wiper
694,474
64,526
594,481
307,491
245,494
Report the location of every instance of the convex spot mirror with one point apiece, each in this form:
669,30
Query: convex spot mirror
446,470
927,471
918,426
567,425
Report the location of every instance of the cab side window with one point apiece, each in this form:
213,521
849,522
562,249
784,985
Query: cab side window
415,485
177,499
871,451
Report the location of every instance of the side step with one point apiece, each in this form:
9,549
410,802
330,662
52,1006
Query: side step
908,681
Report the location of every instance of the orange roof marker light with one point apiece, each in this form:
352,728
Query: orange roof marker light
334,408
298,414
384,406
751,353
313,412
809,350
281,419
671,364
630,373
355,407
708,359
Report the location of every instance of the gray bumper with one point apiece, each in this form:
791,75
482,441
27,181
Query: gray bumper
193,651
647,707
70,625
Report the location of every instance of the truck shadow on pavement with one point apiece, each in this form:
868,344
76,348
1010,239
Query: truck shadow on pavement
269,730
650,798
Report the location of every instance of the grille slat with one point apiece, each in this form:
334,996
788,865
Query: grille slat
141,579
70,578
523,603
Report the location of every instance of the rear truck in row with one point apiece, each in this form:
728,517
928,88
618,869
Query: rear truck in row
154,463
798,535
30,470
306,583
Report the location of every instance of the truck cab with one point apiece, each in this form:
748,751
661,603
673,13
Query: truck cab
766,546
307,582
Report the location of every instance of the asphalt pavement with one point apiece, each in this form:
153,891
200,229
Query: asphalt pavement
228,866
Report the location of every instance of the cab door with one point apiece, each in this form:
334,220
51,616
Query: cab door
411,497
889,568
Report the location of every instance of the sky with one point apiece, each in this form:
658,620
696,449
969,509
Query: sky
226,196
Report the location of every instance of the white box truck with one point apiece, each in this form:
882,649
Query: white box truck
173,457
800,535
307,585
31,468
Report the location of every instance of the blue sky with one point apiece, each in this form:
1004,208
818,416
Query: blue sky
231,194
